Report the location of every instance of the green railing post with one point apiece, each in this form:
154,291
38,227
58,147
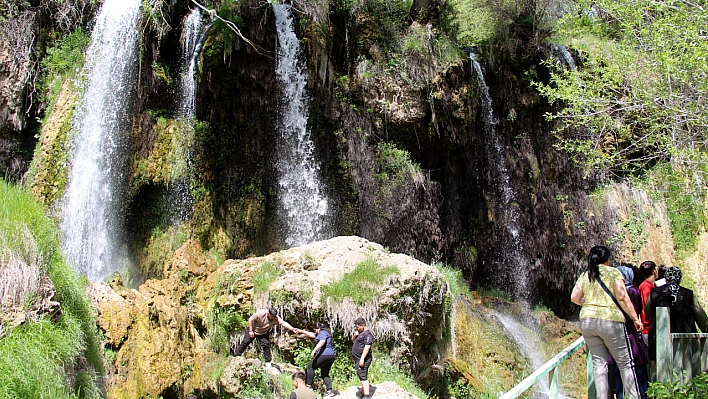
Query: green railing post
664,346
592,391
553,390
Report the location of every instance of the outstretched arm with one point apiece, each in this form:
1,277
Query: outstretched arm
308,334
288,326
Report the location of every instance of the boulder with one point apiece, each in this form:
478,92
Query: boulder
162,334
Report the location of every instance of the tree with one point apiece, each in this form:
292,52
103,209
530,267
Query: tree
642,90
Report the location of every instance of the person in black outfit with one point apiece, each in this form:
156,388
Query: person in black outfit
322,355
361,354
684,309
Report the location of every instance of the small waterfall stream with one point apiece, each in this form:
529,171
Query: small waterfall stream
304,206
528,341
179,199
92,207
512,266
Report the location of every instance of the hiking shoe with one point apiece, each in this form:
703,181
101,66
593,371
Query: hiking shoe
329,394
268,365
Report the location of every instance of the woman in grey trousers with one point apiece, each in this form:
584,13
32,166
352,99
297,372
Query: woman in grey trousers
602,321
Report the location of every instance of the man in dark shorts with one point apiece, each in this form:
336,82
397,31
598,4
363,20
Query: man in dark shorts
259,326
361,354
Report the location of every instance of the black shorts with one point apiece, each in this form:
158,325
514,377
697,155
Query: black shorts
363,372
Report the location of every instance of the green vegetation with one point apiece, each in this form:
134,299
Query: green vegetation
696,388
454,278
221,322
262,279
36,354
641,94
362,284
63,61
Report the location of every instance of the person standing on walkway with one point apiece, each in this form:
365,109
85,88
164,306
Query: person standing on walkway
259,326
301,390
322,355
650,273
361,354
602,321
684,309
636,344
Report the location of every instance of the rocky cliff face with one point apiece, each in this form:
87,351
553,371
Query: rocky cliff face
172,334
400,132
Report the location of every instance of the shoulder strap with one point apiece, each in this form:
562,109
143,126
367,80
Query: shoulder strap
604,287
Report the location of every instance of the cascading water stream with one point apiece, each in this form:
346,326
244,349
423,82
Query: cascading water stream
303,205
512,265
92,206
528,341
179,199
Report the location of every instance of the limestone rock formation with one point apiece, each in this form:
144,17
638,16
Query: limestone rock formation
163,336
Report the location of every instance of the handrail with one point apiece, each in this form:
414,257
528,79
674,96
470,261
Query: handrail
680,356
551,366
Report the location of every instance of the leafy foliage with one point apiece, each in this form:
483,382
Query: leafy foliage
221,322
695,389
640,95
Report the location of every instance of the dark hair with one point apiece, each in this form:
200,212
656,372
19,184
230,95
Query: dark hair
598,255
647,268
273,311
320,326
360,322
662,271
299,375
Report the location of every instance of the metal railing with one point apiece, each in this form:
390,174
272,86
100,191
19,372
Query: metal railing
550,369
680,357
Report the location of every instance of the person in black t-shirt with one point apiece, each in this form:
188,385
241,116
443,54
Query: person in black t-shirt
361,354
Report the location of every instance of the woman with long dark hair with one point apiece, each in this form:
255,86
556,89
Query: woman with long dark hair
599,290
322,355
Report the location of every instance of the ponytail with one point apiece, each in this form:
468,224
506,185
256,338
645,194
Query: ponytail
598,255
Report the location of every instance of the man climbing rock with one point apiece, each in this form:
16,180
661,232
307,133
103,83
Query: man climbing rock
260,325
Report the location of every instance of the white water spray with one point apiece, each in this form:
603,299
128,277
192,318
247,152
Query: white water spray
179,199
92,208
528,341
512,264
303,204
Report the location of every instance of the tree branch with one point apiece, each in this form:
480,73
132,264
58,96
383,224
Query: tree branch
234,28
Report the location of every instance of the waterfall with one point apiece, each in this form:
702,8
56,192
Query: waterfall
179,199
191,33
92,206
303,204
511,265
528,341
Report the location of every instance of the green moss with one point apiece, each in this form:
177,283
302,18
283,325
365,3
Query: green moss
159,249
166,160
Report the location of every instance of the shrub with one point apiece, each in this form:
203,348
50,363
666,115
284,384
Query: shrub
696,388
